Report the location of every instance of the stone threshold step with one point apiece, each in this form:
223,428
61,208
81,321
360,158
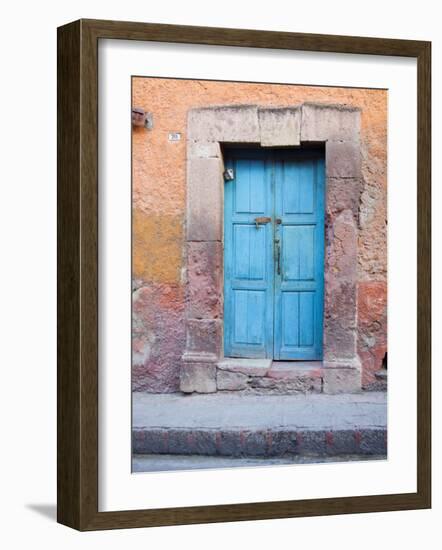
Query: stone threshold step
267,376
271,368
259,443
262,376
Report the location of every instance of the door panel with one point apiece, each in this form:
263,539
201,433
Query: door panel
249,252
273,273
250,186
248,257
249,304
298,252
297,187
299,282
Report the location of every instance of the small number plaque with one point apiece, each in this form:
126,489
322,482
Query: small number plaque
175,136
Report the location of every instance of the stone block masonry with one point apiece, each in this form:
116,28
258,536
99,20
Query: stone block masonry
338,127
266,377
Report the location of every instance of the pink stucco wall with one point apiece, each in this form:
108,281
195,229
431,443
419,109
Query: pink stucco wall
159,201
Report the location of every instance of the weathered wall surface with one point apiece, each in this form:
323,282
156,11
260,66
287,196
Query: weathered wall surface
159,203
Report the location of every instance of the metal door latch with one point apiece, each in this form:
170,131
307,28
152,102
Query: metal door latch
262,221
278,256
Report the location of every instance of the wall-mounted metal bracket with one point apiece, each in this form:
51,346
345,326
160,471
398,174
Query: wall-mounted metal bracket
229,174
141,118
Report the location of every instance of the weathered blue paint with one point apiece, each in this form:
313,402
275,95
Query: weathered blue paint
299,287
248,257
273,273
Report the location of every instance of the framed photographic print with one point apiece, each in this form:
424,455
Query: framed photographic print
243,275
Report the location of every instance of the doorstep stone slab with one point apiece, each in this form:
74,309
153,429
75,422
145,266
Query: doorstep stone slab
294,369
252,367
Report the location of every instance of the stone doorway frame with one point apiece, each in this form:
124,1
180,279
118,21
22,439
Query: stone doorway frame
208,128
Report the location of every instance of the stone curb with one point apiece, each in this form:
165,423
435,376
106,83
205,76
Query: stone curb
259,443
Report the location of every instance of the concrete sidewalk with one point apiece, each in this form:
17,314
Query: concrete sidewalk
254,426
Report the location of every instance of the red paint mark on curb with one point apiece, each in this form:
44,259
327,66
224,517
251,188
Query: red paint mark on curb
269,441
242,439
299,439
329,438
358,438
166,441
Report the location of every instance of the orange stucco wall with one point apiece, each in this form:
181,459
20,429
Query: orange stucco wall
159,196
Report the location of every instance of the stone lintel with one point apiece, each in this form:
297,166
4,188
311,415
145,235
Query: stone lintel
327,122
280,126
224,123
272,125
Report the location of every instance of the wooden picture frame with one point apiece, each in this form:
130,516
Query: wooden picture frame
78,274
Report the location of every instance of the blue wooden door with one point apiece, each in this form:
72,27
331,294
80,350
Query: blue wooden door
248,256
299,251
274,254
